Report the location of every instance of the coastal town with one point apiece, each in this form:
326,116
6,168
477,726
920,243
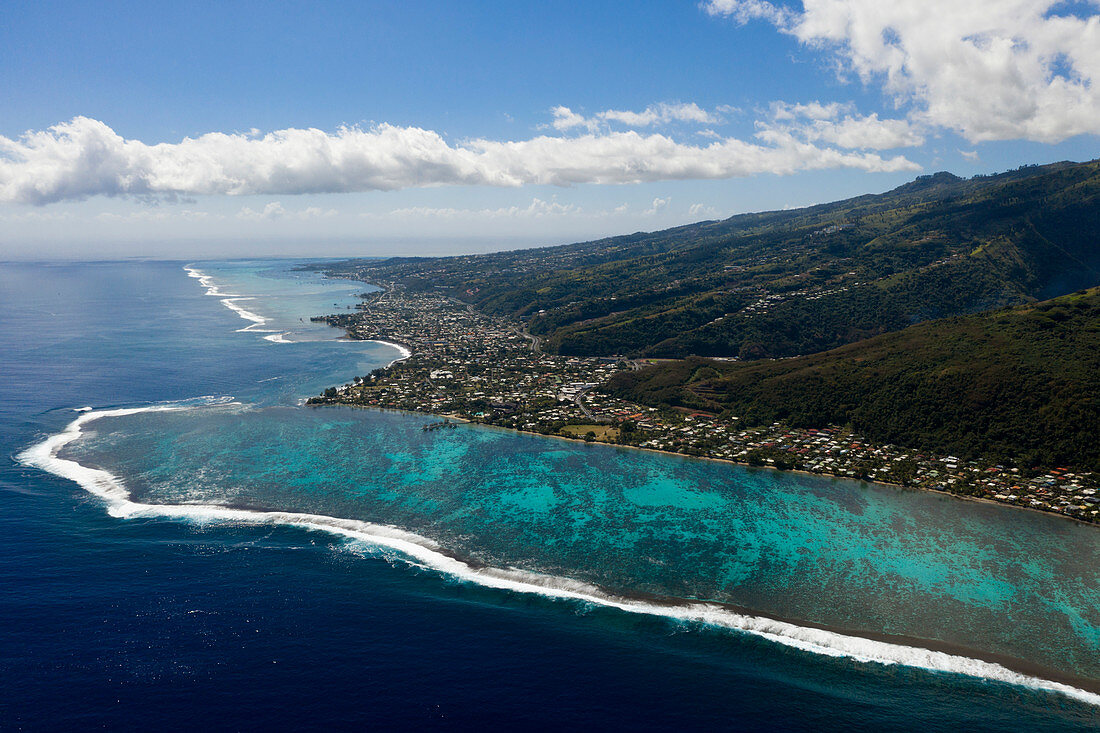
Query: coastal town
466,365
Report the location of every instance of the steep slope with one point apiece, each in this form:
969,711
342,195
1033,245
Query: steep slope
1018,385
792,282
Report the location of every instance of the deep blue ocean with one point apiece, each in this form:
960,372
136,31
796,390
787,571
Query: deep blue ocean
479,577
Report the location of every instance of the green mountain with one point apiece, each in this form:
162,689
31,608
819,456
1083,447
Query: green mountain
785,283
1016,385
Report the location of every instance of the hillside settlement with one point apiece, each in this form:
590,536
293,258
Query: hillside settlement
467,365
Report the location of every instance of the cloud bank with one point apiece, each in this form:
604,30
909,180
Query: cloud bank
85,157
988,69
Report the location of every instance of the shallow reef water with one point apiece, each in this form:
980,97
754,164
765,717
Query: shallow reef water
505,577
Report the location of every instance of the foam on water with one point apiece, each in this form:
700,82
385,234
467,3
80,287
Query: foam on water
405,353
424,552
231,300
258,321
206,281
256,318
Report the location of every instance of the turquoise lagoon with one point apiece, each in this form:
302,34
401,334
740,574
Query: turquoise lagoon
869,572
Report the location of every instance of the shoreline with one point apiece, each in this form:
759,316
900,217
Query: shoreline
405,351
229,300
980,494
865,647
823,474
711,613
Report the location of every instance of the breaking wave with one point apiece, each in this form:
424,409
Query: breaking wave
424,552
275,336
230,300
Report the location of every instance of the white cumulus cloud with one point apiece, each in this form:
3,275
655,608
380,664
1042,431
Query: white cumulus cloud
85,157
655,114
811,110
657,205
660,114
745,10
702,210
988,69
817,122
567,119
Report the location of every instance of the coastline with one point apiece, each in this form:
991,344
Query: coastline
862,648
430,320
742,464
405,351
229,300
859,646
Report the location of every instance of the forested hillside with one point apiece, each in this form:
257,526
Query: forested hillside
1019,385
792,282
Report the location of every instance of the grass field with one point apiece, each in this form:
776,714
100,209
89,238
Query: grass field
603,432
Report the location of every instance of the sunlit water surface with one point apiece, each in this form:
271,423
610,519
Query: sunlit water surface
170,603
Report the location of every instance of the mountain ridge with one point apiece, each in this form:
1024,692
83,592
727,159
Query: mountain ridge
784,283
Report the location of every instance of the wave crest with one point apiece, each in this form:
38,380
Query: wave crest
425,552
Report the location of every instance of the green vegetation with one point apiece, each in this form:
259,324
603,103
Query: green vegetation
819,306
1017,385
780,284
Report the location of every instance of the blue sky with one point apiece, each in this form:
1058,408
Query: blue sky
246,128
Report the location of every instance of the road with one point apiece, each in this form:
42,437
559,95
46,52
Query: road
580,403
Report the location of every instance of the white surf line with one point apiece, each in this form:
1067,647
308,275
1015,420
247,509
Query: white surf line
256,318
405,352
420,550
206,281
229,300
